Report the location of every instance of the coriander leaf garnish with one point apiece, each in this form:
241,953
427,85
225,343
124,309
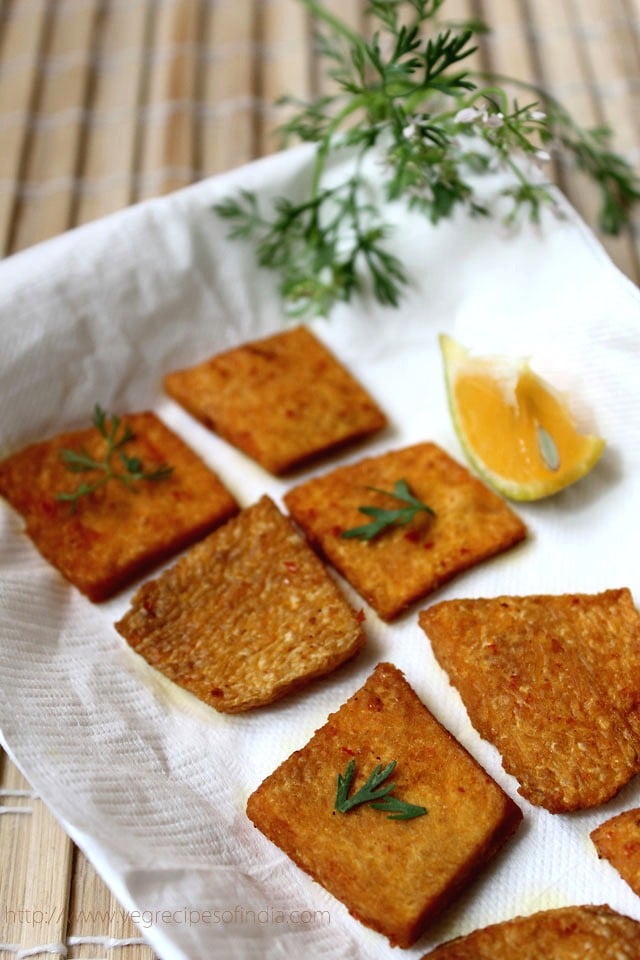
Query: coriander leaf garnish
405,92
369,792
399,809
374,792
383,519
80,461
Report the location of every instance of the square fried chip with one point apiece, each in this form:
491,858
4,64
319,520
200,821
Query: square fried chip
281,400
104,539
554,683
404,563
568,933
244,617
618,841
393,875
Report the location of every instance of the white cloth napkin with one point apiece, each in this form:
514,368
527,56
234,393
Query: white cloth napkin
150,782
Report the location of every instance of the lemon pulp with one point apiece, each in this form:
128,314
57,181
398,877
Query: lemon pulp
513,426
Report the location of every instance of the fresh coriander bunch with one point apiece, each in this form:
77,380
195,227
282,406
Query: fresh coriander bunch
406,93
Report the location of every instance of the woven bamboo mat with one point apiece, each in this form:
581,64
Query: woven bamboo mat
105,102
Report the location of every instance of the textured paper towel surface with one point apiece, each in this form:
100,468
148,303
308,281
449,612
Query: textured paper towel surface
150,782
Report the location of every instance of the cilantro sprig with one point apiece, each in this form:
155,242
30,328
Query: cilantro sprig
405,92
374,792
80,461
383,519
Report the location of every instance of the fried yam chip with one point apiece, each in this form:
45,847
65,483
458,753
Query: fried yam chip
618,841
394,876
554,683
282,400
244,617
404,563
114,534
569,933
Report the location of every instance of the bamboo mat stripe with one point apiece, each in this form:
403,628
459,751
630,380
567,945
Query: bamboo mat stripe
105,102
133,100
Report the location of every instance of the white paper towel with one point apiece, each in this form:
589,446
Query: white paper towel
150,782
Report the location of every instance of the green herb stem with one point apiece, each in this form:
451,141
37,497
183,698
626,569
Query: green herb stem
375,792
384,519
411,97
80,461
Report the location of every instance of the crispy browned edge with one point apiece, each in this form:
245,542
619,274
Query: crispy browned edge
508,541
278,466
512,817
298,463
553,806
135,571
511,821
106,588
392,611
110,586
333,659
556,919
610,845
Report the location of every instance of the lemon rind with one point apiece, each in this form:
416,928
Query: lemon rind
456,357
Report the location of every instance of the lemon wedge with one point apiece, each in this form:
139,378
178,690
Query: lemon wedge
514,428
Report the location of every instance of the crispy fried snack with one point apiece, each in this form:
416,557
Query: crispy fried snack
246,616
114,534
554,683
618,841
569,933
405,563
394,876
282,400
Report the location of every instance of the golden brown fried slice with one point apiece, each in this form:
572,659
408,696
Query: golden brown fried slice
554,683
618,841
282,400
404,564
114,534
569,933
394,876
246,616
